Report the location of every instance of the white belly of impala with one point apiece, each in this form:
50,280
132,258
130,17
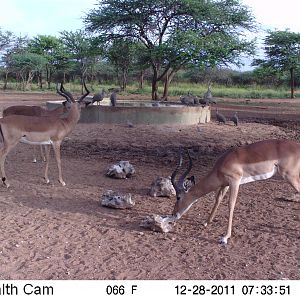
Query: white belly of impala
25,141
258,177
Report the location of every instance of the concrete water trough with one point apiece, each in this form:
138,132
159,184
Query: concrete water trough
141,112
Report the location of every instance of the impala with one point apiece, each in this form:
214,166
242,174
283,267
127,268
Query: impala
237,166
36,111
49,130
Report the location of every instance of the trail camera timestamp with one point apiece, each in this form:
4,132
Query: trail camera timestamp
281,290
204,290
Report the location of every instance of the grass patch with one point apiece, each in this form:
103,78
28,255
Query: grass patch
176,89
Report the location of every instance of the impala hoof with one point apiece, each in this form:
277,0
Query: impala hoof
5,182
62,183
34,160
223,241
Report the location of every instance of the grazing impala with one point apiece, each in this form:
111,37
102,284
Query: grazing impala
39,130
36,111
237,166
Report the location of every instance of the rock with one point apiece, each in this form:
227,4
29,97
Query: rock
117,200
162,187
123,169
158,223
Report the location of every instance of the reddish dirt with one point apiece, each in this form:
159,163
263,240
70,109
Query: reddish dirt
55,232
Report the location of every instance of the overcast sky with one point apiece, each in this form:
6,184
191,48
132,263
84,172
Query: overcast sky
49,17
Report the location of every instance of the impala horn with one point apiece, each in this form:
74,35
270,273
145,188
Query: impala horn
68,94
179,186
64,93
84,95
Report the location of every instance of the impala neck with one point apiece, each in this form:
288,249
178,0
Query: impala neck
59,110
206,185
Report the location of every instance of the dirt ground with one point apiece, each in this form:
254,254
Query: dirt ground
53,232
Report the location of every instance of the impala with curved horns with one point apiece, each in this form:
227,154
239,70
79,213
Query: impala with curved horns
257,161
36,111
49,130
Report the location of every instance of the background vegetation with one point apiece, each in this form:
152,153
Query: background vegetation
163,48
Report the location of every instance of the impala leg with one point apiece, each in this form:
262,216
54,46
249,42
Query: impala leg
234,189
44,149
3,153
56,148
34,154
294,181
47,156
219,197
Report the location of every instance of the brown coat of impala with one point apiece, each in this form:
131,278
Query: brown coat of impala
35,111
43,130
238,166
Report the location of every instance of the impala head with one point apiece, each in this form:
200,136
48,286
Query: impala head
182,185
69,97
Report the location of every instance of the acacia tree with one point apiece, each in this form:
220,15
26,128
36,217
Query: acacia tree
6,40
25,65
124,62
173,32
16,45
49,47
80,48
282,49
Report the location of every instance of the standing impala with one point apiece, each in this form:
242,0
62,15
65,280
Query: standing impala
36,111
237,166
49,130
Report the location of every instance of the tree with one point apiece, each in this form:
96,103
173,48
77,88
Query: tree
6,39
49,47
81,48
282,49
26,65
11,45
123,62
174,32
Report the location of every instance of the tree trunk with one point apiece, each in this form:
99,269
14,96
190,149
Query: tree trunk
5,81
124,79
168,79
292,71
30,76
48,75
166,88
154,92
40,79
142,79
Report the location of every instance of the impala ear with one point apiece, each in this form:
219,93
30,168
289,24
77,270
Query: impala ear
188,183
